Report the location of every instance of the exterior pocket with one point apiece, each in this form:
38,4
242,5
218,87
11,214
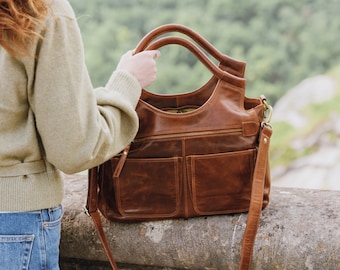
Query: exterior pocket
15,251
54,217
149,188
221,183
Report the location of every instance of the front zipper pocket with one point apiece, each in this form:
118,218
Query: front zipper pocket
191,134
193,143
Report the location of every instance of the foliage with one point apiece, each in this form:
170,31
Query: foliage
282,41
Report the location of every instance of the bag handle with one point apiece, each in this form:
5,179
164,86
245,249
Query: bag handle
237,67
201,56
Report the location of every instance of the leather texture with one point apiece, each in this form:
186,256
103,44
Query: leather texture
200,153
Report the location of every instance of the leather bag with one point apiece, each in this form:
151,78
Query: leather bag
199,153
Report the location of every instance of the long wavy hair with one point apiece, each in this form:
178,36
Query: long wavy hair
19,20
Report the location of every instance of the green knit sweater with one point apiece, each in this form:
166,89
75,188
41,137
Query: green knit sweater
51,118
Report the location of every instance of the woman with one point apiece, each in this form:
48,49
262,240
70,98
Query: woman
52,120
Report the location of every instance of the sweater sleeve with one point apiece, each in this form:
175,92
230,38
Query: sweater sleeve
80,127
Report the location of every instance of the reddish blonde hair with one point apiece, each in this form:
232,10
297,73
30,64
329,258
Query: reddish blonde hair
19,20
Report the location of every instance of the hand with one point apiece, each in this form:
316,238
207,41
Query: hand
141,65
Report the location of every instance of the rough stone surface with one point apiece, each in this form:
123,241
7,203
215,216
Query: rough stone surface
320,169
298,230
289,108
315,145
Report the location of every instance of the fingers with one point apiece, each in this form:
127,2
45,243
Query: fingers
141,65
156,54
153,53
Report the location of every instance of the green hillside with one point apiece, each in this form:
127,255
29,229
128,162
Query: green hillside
282,41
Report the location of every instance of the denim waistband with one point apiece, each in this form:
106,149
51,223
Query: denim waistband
45,213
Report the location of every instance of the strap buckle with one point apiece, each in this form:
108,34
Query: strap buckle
268,112
86,211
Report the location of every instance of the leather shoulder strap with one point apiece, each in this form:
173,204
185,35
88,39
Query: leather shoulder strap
256,199
92,210
98,224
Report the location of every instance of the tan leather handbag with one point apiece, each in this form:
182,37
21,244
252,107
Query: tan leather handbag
196,154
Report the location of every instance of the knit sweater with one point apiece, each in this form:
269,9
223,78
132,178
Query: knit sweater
51,118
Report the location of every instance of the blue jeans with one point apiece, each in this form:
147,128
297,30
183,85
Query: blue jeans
30,240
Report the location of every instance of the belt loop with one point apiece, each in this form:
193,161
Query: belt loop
24,168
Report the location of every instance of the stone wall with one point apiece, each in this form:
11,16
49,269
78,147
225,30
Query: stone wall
298,230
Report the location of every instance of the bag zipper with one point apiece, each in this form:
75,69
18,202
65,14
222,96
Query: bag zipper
187,134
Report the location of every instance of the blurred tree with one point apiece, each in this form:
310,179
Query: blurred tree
282,41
